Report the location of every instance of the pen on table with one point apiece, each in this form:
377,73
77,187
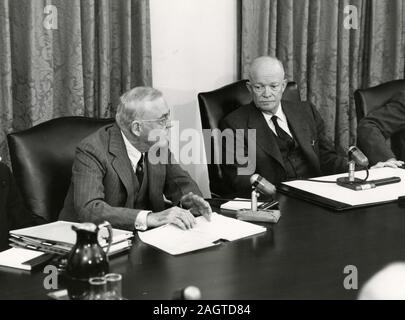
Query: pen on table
268,205
225,199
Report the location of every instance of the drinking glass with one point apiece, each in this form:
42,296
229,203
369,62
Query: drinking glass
98,288
114,291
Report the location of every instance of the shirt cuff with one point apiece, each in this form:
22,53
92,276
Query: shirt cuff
140,221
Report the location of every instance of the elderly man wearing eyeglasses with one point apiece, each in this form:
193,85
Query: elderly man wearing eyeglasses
291,142
125,173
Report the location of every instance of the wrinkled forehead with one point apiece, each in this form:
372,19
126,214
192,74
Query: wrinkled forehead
153,109
267,73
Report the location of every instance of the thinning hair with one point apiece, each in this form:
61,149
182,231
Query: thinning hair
259,60
131,103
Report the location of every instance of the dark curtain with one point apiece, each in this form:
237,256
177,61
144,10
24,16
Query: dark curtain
75,57
328,60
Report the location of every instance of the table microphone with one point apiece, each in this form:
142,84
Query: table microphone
259,184
262,185
355,157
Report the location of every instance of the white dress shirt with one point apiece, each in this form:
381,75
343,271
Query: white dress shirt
281,120
134,156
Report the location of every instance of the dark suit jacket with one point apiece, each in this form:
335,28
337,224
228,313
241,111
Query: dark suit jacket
13,214
103,187
380,125
307,127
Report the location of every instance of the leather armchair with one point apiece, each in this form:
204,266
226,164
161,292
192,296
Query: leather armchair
42,159
215,105
368,99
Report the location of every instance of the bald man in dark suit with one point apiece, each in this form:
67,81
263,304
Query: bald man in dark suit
290,138
290,141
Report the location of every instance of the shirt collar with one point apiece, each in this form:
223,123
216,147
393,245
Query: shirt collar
279,114
133,153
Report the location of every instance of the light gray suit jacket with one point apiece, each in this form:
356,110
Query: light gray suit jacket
103,185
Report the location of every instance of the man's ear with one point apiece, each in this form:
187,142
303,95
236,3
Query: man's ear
136,128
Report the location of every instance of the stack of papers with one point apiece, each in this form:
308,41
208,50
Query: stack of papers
241,203
174,240
59,238
238,204
23,259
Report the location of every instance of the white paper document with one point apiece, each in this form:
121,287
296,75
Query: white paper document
174,240
385,193
238,204
18,258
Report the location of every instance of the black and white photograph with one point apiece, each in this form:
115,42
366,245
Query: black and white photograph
220,151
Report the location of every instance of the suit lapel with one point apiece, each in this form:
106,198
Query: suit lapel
122,164
265,138
299,126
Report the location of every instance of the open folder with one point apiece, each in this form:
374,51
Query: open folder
174,240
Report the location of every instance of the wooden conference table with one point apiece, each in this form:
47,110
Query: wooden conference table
303,256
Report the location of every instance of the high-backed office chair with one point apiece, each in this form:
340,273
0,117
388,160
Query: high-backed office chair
215,105
42,159
367,100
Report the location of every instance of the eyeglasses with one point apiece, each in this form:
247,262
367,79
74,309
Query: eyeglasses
260,88
164,121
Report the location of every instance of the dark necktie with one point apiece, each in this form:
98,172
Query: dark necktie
280,132
139,170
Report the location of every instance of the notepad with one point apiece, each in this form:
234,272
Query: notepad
174,240
20,258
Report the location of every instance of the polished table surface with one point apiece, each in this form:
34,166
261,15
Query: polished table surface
303,256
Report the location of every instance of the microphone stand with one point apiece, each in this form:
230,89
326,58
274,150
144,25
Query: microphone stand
252,214
255,195
350,181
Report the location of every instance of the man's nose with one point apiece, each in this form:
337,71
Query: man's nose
267,91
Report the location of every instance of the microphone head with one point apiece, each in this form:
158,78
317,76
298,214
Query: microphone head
255,179
357,156
262,185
